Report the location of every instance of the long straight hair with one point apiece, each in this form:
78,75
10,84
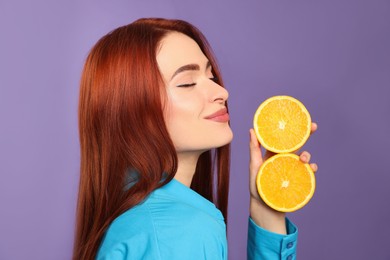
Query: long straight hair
122,129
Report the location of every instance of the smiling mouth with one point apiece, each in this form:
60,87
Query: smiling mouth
219,116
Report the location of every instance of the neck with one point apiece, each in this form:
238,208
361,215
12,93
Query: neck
186,167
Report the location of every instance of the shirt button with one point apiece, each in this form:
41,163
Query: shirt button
290,245
289,257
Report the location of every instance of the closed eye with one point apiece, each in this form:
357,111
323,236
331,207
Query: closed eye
215,79
186,85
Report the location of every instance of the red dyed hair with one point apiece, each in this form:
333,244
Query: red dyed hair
121,127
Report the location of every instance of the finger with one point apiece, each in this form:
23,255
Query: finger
305,157
255,151
314,167
314,127
256,159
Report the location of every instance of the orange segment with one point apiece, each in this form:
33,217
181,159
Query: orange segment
282,124
285,183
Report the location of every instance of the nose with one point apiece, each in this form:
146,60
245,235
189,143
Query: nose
218,93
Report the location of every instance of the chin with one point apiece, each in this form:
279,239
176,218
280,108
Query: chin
225,139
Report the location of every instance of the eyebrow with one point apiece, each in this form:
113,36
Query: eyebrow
189,67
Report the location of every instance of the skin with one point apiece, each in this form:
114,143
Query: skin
192,96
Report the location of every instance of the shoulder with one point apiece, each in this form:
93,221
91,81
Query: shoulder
166,226
130,236
185,231
170,214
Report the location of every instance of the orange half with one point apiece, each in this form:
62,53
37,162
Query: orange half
282,124
285,183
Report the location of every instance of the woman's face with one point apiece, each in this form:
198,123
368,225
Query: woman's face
195,111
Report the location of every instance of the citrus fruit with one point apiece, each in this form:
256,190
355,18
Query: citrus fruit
282,124
285,183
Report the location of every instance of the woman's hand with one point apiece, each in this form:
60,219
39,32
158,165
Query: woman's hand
262,214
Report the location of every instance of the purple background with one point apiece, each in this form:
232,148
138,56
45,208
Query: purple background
333,55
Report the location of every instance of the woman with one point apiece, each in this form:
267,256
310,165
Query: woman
154,132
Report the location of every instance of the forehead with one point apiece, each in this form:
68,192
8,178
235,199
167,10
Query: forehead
176,50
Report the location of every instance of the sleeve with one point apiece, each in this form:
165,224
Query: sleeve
263,244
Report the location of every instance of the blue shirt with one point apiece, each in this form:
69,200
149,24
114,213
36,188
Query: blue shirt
174,222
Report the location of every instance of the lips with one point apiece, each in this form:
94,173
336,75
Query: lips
219,116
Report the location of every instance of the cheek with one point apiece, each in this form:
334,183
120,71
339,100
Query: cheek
185,106
183,120
180,116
